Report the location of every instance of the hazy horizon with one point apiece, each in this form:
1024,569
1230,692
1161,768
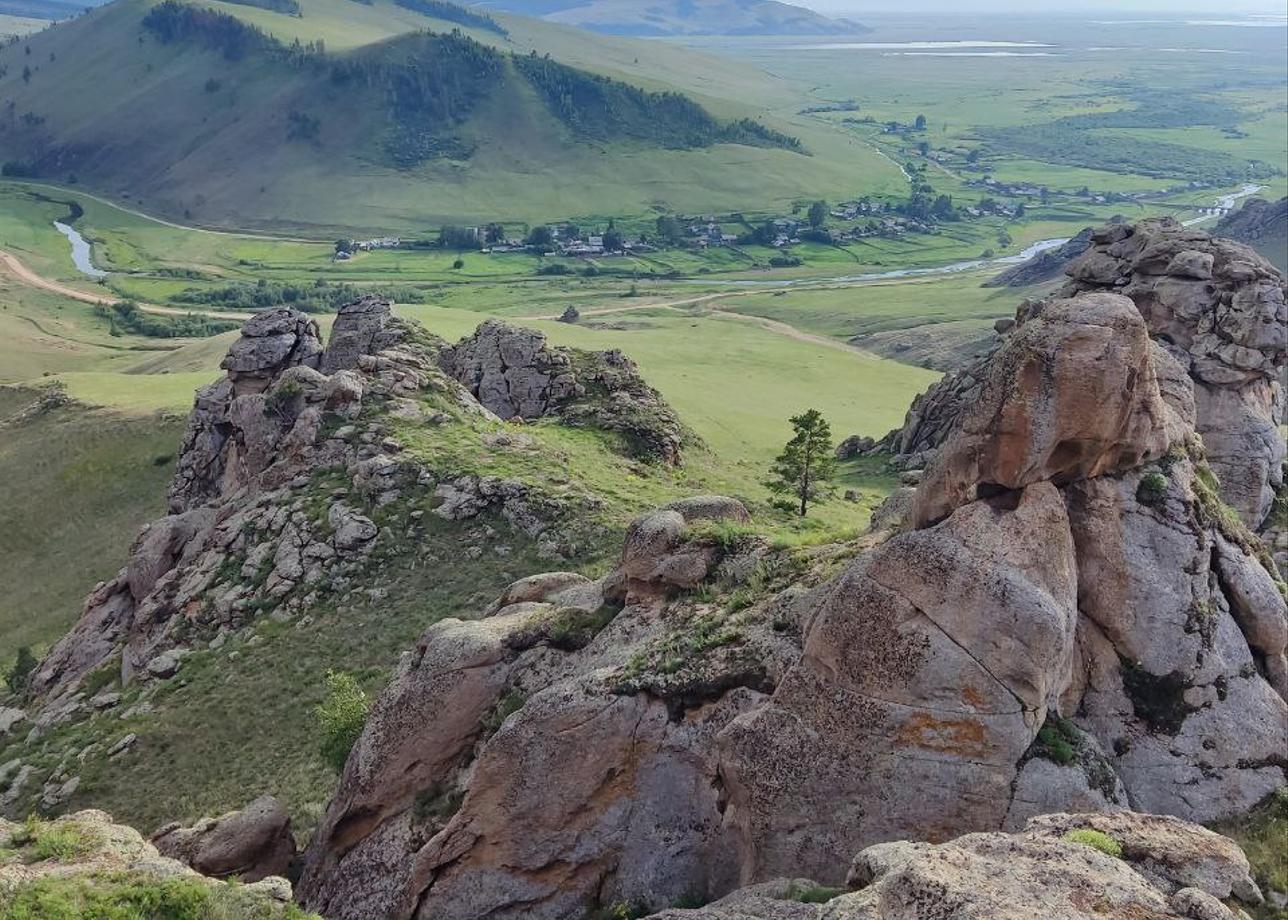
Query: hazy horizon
1162,8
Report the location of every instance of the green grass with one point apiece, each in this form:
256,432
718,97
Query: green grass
1097,840
137,896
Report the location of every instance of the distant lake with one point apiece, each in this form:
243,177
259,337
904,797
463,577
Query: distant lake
891,46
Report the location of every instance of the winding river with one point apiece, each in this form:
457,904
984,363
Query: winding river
82,257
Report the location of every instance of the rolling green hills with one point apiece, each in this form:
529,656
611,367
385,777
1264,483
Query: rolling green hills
361,120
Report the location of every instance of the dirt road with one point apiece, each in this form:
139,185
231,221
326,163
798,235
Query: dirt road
10,264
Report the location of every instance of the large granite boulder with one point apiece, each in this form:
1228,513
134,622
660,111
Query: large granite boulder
927,672
1072,395
247,845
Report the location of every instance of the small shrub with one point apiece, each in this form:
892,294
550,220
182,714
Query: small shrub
20,672
1152,489
1058,741
341,716
1097,840
505,707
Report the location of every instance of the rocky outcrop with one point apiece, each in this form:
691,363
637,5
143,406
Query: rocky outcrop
1047,265
247,845
363,327
1069,620
516,374
1221,309
110,865
225,439
253,528
1216,307
1167,870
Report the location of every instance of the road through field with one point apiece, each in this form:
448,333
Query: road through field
10,264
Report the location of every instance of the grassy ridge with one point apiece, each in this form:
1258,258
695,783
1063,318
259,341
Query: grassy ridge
323,148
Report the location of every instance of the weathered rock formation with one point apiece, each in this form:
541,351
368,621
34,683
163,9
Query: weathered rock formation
247,845
1220,308
252,527
516,374
1067,620
510,769
1217,308
1168,870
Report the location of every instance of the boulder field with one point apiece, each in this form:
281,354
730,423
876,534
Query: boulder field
1063,616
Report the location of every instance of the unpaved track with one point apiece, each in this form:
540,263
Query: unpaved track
13,266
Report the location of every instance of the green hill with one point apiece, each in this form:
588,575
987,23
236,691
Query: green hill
394,129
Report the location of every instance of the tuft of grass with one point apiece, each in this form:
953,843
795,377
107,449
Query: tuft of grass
1097,840
505,707
813,894
40,840
1152,488
1262,834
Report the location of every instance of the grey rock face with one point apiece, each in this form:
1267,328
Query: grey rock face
512,371
1048,265
228,428
360,328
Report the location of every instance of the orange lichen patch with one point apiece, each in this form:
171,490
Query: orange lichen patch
962,737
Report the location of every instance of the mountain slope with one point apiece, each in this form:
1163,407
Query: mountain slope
400,132
683,17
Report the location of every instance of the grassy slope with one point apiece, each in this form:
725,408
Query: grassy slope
75,486
199,139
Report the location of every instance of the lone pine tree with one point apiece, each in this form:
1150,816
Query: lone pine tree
805,468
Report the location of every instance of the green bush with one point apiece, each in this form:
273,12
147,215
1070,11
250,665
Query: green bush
341,716
20,671
1097,840
1058,741
1152,489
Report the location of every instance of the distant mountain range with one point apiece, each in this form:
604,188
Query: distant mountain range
682,17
